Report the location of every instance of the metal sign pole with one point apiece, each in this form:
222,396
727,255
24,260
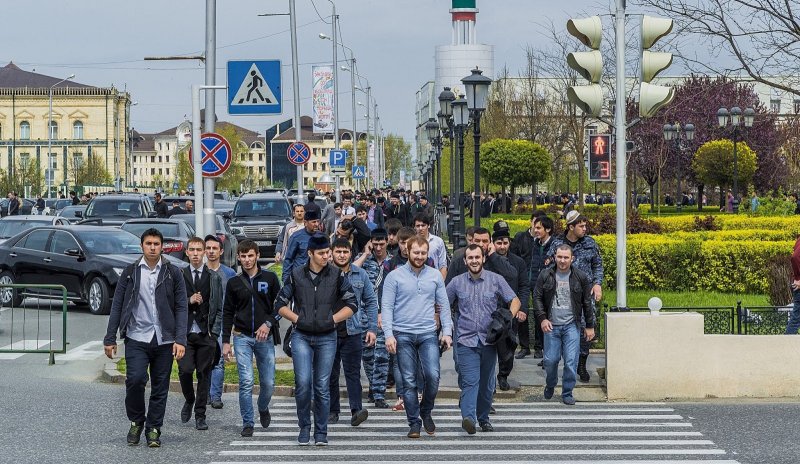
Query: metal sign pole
197,158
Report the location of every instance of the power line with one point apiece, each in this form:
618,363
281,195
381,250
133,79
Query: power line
320,16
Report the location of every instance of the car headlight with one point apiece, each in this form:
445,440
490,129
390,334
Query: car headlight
237,231
118,270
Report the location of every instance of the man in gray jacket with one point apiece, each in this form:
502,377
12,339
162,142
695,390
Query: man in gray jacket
150,311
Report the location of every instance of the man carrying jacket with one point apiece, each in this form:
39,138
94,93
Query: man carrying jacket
150,311
322,297
359,331
204,291
248,317
561,298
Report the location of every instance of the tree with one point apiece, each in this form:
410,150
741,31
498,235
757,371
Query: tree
398,156
514,163
713,164
760,38
93,172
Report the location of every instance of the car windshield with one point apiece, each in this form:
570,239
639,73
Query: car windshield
267,207
114,208
10,228
106,241
166,229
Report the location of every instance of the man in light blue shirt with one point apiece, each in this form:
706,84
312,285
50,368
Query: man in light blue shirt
410,296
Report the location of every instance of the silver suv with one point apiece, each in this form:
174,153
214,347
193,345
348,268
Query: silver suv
260,217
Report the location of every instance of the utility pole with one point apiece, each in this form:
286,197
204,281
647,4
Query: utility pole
209,183
622,161
296,88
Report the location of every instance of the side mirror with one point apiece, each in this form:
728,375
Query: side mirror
79,214
152,214
226,215
73,252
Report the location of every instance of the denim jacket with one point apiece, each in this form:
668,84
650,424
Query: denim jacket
366,318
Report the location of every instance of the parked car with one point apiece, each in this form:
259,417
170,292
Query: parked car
13,225
86,260
68,213
221,206
322,202
260,217
53,205
113,210
223,233
25,206
176,233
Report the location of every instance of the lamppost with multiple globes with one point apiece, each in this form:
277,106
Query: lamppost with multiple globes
476,87
460,125
736,120
673,132
435,137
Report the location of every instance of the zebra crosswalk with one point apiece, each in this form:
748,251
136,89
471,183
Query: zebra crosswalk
524,432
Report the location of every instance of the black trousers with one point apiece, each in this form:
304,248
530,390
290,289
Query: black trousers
525,334
139,357
199,356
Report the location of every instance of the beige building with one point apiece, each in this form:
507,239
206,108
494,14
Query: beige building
87,122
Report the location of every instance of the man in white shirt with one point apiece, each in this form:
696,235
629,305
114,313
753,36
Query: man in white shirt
437,250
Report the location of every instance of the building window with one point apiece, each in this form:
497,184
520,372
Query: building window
250,157
167,158
160,172
24,159
168,171
159,147
153,159
77,160
159,159
135,171
25,130
53,130
54,161
77,130
261,157
152,171
167,146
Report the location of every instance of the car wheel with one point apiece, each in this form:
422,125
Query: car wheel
9,296
98,296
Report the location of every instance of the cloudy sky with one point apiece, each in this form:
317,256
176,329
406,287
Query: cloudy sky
103,42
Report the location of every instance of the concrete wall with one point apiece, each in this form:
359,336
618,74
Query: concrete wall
651,358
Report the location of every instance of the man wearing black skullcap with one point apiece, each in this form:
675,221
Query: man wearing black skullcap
295,255
321,297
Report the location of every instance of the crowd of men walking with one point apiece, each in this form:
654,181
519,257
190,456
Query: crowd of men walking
375,290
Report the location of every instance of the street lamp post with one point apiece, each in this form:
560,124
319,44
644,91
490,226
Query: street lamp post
673,132
445,115
460,120
432,128
735,118
476,86
50,137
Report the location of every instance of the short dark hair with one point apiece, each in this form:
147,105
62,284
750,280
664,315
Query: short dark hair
312,195
578,220
246,246
341,243
393,226
296,205
405,233
537,213
378,234
473,247
546,222
360,209
481,231
153,232
423,218
470,231
564,247
196,240
337,205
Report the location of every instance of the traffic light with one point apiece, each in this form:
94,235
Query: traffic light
589,98
600,157
653,97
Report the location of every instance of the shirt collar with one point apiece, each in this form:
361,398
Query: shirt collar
201,268
143,264
480,276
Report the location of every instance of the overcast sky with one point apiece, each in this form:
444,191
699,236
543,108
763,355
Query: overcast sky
104,42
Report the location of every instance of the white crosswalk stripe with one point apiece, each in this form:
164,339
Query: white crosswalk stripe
600,433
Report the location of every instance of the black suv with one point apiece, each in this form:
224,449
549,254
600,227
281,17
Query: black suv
260,217
113,210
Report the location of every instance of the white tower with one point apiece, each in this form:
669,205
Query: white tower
455,61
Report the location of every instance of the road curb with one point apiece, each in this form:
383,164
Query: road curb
518,393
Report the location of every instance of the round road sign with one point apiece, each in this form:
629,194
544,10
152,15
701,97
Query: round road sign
298,153
217,155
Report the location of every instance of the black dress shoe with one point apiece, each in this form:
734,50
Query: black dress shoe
200,423
486,427
333,418
265,418
538,354
216,404
502,384
359,417
523,353
381,404
247,431
186,412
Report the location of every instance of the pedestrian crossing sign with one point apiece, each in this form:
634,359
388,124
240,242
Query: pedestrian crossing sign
359,172
254,87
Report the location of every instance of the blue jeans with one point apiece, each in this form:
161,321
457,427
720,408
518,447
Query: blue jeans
563,340
245,347
348,356
415,351
312,357
476,380
794,317
217,376
376,366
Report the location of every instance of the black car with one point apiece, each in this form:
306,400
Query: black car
223,233
86,260
220,205
68,213
176,233
13,225
25,206
53,206
113,210
260,217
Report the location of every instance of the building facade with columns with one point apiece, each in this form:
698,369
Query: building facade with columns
87,123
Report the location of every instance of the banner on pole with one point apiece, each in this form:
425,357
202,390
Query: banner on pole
322,99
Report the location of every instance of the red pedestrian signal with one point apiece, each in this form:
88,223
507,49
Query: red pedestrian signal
600,157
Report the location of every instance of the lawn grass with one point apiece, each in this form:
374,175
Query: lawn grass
284,377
